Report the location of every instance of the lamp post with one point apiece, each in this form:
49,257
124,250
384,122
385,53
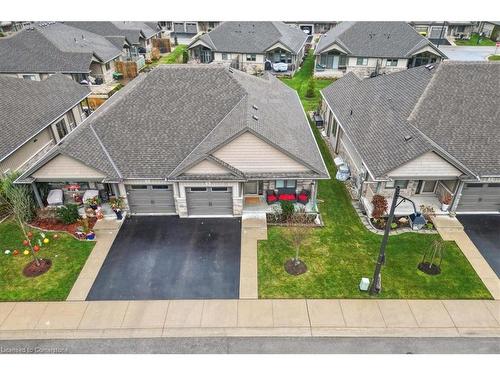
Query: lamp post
417,222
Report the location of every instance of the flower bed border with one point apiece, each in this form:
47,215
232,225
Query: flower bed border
59,231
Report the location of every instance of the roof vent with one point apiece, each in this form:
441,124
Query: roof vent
429,67
408,138
231,70
388,35
371,35
351,112
255,107
255,118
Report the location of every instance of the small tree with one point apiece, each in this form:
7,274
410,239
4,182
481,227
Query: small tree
310,89
380,206
297,230
433,256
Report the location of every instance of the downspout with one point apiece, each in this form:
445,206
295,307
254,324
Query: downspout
456,197
38,198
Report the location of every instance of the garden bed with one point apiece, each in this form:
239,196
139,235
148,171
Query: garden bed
274,219
401,222
54,225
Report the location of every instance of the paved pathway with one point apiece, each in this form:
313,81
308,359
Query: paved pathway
468,53
188,318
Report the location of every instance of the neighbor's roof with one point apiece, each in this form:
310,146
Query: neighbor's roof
107,29
176,115
145,27
253,37
452,109
375,39
27,107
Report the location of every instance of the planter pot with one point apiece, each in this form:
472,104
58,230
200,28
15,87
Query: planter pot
444,207
119,215
93,206
90,236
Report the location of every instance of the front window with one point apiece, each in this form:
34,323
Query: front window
280,184
108,66
362,61
71,120
226,56
62,131
29,77
403,184
391,62
251,57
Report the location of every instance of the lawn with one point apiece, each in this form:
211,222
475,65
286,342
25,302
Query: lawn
174,57
343,251
473,41
68,256
494,58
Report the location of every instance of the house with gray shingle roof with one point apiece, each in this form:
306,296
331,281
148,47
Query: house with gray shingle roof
432,130
46,48
249,45
372,48
191,140
34,116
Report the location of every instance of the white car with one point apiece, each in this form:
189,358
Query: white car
280,67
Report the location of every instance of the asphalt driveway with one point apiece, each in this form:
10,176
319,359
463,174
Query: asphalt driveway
468,53
484,231
166,257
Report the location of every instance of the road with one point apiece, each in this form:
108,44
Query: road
465,53
259,345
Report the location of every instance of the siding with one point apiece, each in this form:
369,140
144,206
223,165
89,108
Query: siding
249,153
29,149
205,167
64,167
427,165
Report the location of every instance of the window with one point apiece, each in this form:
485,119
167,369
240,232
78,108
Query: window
217,189
62,131
362,61
71,120
107,66
494,185
251,57
29,77
280,184
403,184
198,189
139,187
391,62
160,187
226,56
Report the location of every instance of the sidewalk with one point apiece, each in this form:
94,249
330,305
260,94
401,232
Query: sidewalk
176,318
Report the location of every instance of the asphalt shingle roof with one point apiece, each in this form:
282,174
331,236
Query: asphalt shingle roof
143,27
374,39
27,107
453,107
253,37
177,114
107,29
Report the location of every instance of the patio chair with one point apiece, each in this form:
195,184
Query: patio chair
320,68
287,194
303,197
271,197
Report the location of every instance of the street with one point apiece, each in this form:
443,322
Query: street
466,53
260,345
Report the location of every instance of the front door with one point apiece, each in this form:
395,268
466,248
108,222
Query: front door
251,188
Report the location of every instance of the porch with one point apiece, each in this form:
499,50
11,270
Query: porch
258,204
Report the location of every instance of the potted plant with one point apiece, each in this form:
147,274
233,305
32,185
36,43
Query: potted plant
117,206
93,202
446,201
84,231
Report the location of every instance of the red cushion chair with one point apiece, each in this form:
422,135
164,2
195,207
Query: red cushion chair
303,197
271,197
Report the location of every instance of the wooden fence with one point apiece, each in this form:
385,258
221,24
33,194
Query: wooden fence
163,44
127,68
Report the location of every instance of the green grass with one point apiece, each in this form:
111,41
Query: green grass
343,251
68,256
300,81
174,57
473,41
494,58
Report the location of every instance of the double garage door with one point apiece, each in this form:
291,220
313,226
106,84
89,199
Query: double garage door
150,199
480,198
209,201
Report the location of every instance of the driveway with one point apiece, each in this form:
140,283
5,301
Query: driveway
484,231
468,53
166,257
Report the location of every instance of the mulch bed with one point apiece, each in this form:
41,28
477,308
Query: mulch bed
295,269
379,225
429,269
56,225
32,270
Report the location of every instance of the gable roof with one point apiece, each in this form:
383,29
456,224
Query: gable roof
375,39
452,109
27,107
176,115
253,37
107,29
144,27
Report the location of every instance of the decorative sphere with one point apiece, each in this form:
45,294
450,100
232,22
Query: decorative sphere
45,240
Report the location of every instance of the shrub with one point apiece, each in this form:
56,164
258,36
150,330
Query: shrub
379,203
19,197
185,56
310,89
68,214
394,225
287,209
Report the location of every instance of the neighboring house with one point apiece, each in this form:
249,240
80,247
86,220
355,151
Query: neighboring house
228,136
10,27
184,31
34,116
490,29
249,45
435,30
370,48
314,27
433,130
46,48
148,31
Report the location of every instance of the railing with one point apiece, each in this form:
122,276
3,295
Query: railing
442,190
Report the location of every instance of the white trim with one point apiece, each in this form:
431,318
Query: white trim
35,154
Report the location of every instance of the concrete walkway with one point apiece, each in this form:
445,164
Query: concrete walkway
187,318
451,229
253,228
106,231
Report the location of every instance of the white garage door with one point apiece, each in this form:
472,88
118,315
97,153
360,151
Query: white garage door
205,201
150,199
437,32
480,198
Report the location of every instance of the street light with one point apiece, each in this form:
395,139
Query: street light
417,222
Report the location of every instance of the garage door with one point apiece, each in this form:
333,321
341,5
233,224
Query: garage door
480,198
209,201
437,32
150,199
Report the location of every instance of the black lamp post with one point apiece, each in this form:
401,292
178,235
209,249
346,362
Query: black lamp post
417,222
